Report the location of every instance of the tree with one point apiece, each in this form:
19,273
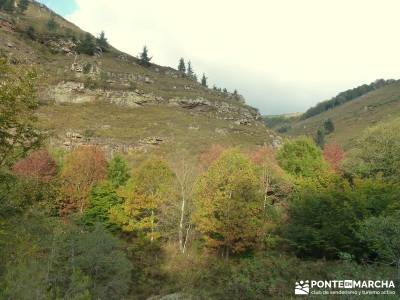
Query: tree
39,165
377,151
301,157
102,41
334,155
102,198
228,205
189,71
7,5
211,155
82,169
320,137
182,66
143,199
18,104
118,171
144,57
382,234
225,91
23,6
52,25
204,80
329,126
87,45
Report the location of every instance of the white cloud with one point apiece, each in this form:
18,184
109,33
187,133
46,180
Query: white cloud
282,55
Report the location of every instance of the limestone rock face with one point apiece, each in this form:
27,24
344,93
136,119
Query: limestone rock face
76,92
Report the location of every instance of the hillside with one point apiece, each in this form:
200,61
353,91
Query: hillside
352,118
112,100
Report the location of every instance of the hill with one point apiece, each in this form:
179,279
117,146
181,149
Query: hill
353,117
109,98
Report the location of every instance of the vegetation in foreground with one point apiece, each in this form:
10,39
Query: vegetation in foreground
228,224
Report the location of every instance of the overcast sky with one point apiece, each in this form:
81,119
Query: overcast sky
283,56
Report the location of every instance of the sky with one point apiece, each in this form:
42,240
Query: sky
283,56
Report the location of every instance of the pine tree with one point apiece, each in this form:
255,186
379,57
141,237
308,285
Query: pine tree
52,25
320,137
225,91
7,5
87,46
102,41
144,57
181,66
23,6
204,80
189,70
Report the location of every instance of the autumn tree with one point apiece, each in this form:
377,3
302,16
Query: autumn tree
39,165
229,205
82,169
211,155
18,104
334,155
143,199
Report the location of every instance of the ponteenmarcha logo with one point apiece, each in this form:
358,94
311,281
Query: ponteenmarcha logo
302,287
345,287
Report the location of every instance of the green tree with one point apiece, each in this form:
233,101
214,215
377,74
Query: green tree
23,6
102,41
7,5
301,157
204,80
329,126
229,205
377,151
182,66
189,71
118,171
144,57
382,234
87,45
102,198
320,137
52,25
18,104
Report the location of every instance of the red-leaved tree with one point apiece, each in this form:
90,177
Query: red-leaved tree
211,155
334,155
39,165
83,168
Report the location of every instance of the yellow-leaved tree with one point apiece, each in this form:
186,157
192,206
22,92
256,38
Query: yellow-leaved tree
229,204
143,199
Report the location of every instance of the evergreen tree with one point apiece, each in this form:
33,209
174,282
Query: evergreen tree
118,171
225,91
204,80
144,57
23,6
102,41
7,5
87,45
329,126
320,137
189,70
52,25
181,66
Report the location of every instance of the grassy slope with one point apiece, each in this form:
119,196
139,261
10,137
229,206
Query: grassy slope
351,118
125,126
